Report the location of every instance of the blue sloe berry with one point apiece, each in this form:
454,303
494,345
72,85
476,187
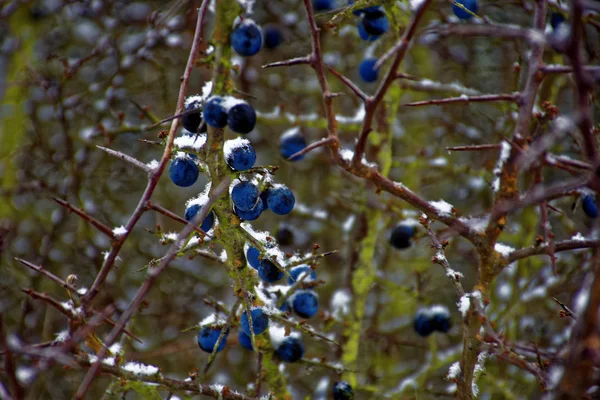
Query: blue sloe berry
193,120
194,209
375,22
290,350
470,5
302,269
367,70
401,236
260,321
291,143
250,215
214,112
306,303
423,322
245,340
281,200
440,319
246,38
245,196
252,255
208,336
273,37
342,391
241,118
268,272
589,205
239,154
183,171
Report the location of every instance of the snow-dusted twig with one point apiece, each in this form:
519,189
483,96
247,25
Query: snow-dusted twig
312,146
564,245
131,160
175,217
465,99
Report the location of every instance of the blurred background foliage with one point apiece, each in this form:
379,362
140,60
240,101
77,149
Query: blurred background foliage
74,75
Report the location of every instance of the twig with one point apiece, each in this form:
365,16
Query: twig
175,217
9,365
568,311
50,275
465,99
565,245
475,147
94,222
127,158
312,146
359,93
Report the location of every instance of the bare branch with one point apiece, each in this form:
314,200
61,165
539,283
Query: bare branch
465,99
126,158
94,222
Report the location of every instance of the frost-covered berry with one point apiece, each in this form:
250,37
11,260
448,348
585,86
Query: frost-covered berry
214,112
268,272
590,207
322,5
290,350
246,38
252,255
192,120
239,154
183,171
342,391
285,236
245,195
290,143
281,200
245,340
208,336
273,37
470,5
299,270
241,116
367,70
260,321
440,318
375,23
252,214
194,209
401,236
423,322
306,303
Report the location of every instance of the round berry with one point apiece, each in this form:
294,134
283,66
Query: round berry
375,22
260,321
268,272
214,112
440,319
291,143
281,200
342,391
322,5
252,255
423,322
192,120
208,336
246,38
362,10
241,118
194,209
245,196
590,207
290,350
250,215
299,270
273,37
470,5
306,303
183,171
556,19
239,154
364,35
401,236
367,70
245,341
285,236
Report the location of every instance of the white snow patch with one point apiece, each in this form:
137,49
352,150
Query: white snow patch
230,145
454,371
194,142
116,348
211,319
579,237
25,374
439,162
290,132
201,199
230,101
340,303
119,231
503,249
62,336
358,117
477,224
504,154
277,334
82,291
153,164
414,4
347,225
140,369
443,207
464,303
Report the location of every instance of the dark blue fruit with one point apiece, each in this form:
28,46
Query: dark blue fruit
268,272
208,336
241,118
375,22
302,269
401,236
246,38
183,171
440,318
214,113
423,323
367,70
260,321
252,255
273,37
194,209
245,341
290,350
250,215
193,119
292,143
322,5
245,196
281,200
590,207
342,391
470,5
364,35
306,303
556,19
239,154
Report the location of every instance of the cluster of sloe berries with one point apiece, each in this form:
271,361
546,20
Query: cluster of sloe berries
430,319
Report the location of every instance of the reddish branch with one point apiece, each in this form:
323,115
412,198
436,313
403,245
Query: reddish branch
312,146
173,216
94,222
465,99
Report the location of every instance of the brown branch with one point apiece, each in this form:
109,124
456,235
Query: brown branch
94,222
45,297
535,37
155,174
174,217
359,93
312,146
565,245
9,365
475,147
465,99
292,61
49,274
127,158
